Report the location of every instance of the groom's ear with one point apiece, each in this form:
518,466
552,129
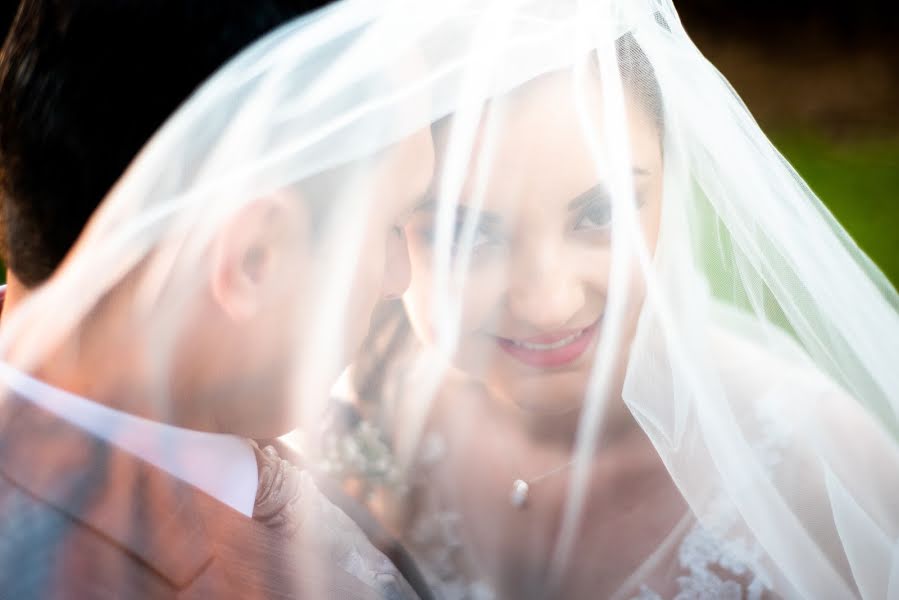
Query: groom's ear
255,255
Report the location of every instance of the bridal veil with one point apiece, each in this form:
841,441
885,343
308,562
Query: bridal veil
745,332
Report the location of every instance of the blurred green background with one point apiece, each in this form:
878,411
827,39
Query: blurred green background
822,79
858,180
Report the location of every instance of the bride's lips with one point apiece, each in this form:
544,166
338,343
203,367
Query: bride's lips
550,350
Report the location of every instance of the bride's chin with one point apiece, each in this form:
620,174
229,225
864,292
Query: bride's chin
552,422
549,391
550,399
551,407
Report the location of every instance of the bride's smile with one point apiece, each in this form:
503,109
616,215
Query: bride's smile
550,350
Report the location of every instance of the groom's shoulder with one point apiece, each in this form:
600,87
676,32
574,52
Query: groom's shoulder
81,518
46,553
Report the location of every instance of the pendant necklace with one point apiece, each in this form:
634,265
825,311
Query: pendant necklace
521,488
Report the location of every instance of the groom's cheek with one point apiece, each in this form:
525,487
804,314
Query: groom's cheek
396,267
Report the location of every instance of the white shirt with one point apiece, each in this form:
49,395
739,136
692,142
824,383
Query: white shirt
222,465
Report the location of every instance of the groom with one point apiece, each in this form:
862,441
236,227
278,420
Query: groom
103,493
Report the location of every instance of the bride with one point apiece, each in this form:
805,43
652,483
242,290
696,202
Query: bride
637,358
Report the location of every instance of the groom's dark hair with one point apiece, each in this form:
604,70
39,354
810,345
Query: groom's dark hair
83,86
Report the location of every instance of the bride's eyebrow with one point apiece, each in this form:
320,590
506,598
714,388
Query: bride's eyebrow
599,192
463,212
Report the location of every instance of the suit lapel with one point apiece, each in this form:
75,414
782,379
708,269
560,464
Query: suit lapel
173,528
141,508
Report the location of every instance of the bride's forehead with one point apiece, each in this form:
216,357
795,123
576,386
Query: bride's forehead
538,143
510,132
560,89
540,116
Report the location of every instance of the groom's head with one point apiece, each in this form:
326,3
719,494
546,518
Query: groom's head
290,276
83,86
281,298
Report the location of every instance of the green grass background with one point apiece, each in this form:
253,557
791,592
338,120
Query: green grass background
858,180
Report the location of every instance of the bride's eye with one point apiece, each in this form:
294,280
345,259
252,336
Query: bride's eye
596,215
480,241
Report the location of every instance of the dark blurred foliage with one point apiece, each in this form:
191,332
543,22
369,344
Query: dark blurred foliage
819,65
826,64
858,23
7,12
849,24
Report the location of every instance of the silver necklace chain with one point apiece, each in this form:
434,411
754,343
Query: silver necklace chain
521,488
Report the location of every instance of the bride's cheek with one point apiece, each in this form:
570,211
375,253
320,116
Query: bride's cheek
484,294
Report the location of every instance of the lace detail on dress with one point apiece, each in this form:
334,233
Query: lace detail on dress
717,563
720,565
715,570
436,542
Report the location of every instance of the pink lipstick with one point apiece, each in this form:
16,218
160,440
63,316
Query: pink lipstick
550,350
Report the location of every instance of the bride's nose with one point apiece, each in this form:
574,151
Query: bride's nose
543,294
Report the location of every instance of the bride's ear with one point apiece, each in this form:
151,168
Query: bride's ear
255,253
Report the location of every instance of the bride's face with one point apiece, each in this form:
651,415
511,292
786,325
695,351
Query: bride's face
538,282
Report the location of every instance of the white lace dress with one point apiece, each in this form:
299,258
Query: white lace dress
712,562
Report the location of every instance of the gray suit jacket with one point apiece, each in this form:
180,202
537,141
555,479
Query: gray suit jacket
80,518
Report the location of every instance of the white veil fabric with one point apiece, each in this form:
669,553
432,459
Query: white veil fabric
737,332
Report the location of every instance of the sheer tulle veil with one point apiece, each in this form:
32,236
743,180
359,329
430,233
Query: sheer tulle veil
746,334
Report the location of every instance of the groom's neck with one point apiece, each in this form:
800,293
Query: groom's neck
16,293
105,359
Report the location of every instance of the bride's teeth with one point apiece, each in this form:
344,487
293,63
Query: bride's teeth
552,346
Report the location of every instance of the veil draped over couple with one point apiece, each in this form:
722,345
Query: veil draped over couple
519,283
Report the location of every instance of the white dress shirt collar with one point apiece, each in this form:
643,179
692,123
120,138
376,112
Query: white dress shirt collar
221,465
